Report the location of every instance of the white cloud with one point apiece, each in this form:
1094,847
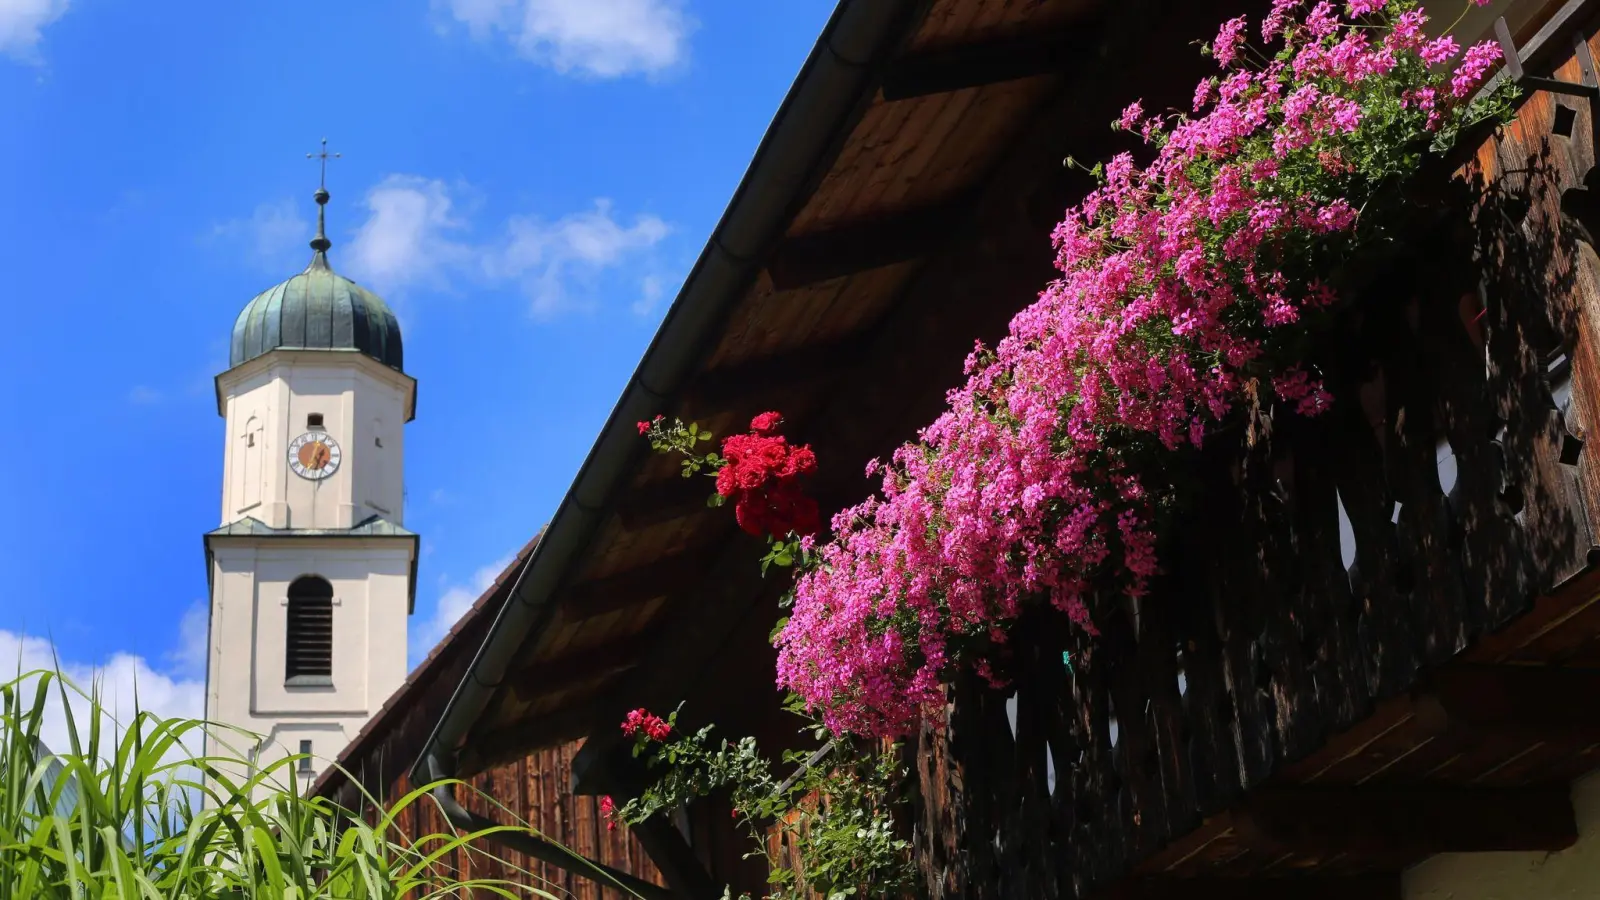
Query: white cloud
453,604
125,684
144,395
189,657
598,38
550,260
414,236
404,240
22,25
273,237
651,289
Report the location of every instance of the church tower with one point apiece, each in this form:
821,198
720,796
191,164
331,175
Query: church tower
312,575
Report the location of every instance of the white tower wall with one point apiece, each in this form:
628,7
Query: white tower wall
303,527
267,403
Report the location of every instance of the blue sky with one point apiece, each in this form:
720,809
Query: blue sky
526,181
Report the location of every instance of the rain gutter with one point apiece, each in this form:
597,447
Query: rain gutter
798,144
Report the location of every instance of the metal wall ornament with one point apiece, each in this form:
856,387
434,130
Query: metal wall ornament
314,455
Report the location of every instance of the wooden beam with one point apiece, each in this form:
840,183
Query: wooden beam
1530,703
669,500
570,722
1385,886
666,846
746,385
575,667
664,501
635,586
1026,55
858,246
1406,823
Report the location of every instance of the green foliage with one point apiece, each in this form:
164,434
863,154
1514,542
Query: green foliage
121,811
785,551
677,436
838,805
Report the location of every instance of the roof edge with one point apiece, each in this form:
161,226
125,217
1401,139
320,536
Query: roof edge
417,679
222,382
801,139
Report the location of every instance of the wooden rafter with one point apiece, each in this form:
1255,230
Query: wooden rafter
632,587
573,720
663,501
669,500
678,863
1026,55
858,246
1526,702
575,667
1384,886
755,382
1407,823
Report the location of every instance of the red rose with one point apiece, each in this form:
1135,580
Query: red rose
766,423
801,461
727,481
751,515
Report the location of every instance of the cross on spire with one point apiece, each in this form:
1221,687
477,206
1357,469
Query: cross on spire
320,243
323,158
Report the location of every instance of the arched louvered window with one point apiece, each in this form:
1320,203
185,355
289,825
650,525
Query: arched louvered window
309,659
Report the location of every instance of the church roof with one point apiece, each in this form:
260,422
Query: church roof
317,309
371,526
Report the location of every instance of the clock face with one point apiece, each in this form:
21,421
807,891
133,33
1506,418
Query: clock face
314,455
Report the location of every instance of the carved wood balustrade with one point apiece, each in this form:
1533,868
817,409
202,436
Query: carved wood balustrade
1323,571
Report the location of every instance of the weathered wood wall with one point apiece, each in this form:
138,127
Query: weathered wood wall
537,791
1465,377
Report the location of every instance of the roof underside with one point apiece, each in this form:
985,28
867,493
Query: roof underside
930,228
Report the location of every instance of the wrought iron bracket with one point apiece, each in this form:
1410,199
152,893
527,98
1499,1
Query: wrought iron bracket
1589,87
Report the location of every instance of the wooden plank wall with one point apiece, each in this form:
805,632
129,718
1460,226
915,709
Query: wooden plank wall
1462,374
535,790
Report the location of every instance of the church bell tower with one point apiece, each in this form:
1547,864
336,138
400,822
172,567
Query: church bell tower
312,574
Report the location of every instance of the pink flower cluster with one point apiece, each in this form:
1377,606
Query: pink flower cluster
1042,480
643,722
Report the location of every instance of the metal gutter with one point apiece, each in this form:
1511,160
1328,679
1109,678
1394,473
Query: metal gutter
811,120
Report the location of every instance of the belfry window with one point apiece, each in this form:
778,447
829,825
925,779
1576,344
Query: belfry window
309,656
314,421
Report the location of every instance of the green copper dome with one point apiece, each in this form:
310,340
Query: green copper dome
318,309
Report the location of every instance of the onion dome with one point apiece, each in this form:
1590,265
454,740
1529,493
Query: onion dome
318,309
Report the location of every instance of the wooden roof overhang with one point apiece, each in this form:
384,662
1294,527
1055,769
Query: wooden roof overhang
921,223
907,214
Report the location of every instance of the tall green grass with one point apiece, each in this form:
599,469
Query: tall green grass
122,811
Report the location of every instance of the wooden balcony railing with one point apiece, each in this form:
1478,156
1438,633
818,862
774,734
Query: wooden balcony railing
1328,585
